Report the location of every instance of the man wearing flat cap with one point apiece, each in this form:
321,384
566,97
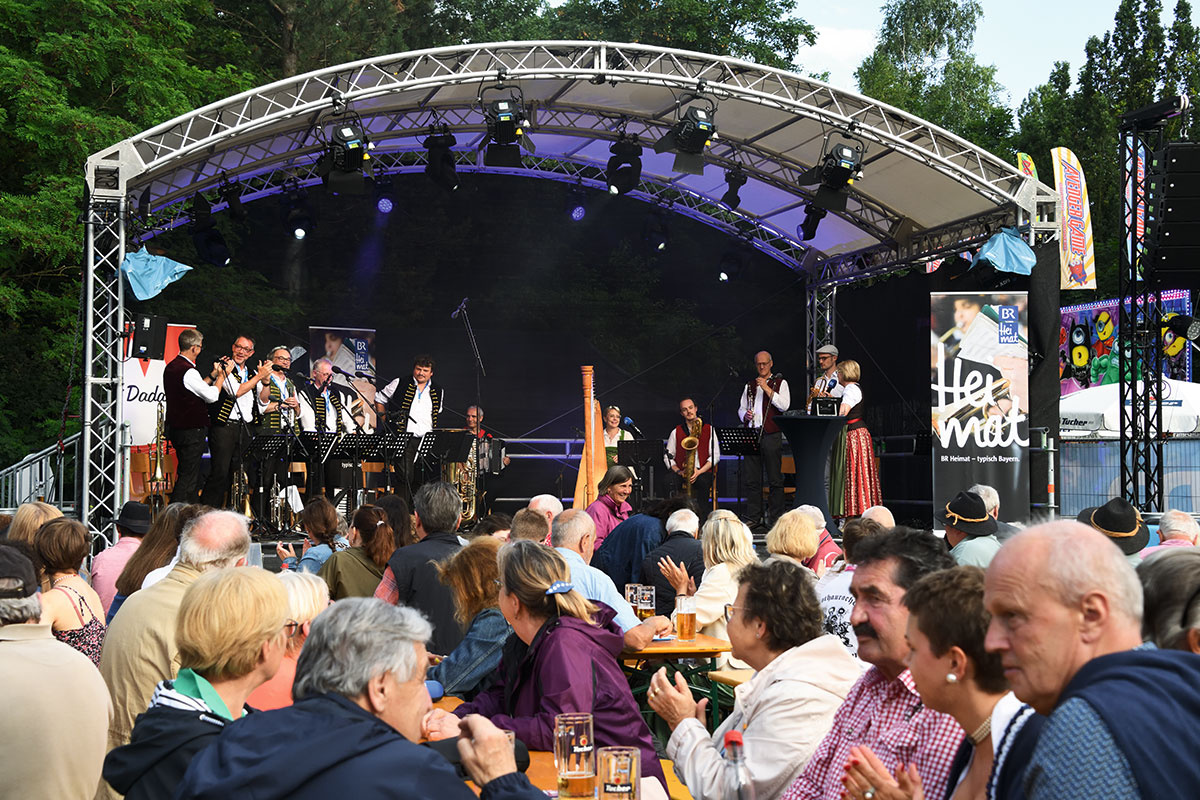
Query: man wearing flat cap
970,530
827,383
1122,524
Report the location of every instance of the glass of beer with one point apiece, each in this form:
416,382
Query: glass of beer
685,618
645,603
575,755
620,771
631,593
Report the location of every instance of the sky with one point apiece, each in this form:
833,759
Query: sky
1021,38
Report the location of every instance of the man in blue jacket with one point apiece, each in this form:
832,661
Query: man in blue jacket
353,730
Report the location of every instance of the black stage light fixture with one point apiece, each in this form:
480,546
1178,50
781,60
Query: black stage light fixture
385,199
506,125
299,220
735,179
688,137
813,215
210,244
346,163
624,171
577,204
440,164
1184,326
231,193
840,166
656,233
731,266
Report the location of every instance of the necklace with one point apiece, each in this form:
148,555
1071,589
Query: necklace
60,578
982,731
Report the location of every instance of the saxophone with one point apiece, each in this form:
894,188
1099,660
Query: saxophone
691,443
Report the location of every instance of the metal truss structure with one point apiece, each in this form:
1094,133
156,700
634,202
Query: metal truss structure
926,192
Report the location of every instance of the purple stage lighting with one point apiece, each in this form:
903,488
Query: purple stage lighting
578,212
384,204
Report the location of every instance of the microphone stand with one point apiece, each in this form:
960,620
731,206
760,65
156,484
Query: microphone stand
475,351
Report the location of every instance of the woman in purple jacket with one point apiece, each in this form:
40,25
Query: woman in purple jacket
563,659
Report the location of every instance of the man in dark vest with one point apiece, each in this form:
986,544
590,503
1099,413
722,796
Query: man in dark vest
324,408
412,406
188,396
233,421
701,460
1066,619
763,399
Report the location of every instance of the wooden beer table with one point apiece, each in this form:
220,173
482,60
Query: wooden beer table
640,666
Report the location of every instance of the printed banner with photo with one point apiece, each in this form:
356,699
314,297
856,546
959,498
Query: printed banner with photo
141,393
1089,341
352,351
979,363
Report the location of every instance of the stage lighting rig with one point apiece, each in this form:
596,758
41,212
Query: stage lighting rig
693,131
839,167
624,171
345,164
439,165
507,123
735,179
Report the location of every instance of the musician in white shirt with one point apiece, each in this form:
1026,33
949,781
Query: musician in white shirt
763,399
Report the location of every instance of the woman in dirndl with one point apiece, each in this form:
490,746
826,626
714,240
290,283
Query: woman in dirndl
861,483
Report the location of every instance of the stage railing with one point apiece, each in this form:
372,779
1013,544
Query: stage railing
47,475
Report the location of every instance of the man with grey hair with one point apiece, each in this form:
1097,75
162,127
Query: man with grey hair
682,546
549,507
56,707
573,535
139,647
1066,612
360,703
881,515
991,502
411,578
325,408
1175,529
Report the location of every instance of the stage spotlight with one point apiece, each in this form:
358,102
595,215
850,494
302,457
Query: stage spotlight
299,221
440,164
231,193
735,179
691,133
731,265
577,205
624,171
1184,326
656,233
211,246
812,218
346,163
506,124
840,166
385,201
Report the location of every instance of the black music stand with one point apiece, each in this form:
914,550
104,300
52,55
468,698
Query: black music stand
266,448
393,449
355,446
643,454
446,445
738,442
320,445
813,437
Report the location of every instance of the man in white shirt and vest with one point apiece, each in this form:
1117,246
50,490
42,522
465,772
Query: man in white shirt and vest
188,396
764,398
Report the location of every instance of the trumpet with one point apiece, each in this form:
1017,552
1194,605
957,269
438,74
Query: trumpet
159,483
240,493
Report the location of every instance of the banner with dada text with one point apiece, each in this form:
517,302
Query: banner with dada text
1077,256
979,382
142,389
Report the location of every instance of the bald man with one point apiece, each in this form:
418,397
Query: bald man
1066,612
763,399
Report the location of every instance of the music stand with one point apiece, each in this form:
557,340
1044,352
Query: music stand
642,453
353,446
738,442
393,449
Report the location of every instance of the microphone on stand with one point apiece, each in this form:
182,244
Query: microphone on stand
461,308
628,421
368,378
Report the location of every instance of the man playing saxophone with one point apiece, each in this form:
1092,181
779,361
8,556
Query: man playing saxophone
692,452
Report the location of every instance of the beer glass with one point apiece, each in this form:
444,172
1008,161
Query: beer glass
631,593
620,770
575,755
685,618
645,604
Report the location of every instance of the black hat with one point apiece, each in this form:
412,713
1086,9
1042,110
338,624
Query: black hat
1119,521
15,565
967,513
134,517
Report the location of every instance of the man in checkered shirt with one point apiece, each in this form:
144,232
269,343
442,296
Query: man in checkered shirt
883,711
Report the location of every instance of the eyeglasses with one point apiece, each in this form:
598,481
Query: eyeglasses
243,349
729,607
291,628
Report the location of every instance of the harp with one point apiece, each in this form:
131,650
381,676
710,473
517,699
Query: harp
591,462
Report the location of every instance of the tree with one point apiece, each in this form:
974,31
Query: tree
1181,71
764,31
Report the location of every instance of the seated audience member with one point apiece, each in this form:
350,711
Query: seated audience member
55,705
232,634
827,551
726,551
399,517
610,509
355,726
833,589
159,547
496,525
549,507
1067,624
572,536
801,677
357,570
140,648
1171,588
529,524
71,608
132,524
563,659
970,531
411,578
473,576
307,597
793,538
881,516
947,624
628,543
883,710
319,521
1175,529
991,503
1122,524
28,518
681,546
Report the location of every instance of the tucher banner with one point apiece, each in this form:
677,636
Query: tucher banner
979,359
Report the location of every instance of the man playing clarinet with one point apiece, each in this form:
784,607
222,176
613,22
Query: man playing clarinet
763,399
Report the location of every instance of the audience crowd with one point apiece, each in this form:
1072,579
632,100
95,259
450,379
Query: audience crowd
869,660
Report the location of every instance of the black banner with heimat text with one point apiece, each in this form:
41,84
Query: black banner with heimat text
979,365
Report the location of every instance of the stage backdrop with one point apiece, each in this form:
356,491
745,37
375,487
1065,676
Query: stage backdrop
1089,336
979,359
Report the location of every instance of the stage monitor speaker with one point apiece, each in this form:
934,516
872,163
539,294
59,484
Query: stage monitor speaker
149,336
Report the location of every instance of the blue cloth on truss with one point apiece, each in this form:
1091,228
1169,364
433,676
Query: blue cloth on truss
1007,252
149,274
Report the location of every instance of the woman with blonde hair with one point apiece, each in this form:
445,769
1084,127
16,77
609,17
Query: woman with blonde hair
307,597
473,575
356,571
232,633
71,607
24,527
562,660
726,550
793,537
855,484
